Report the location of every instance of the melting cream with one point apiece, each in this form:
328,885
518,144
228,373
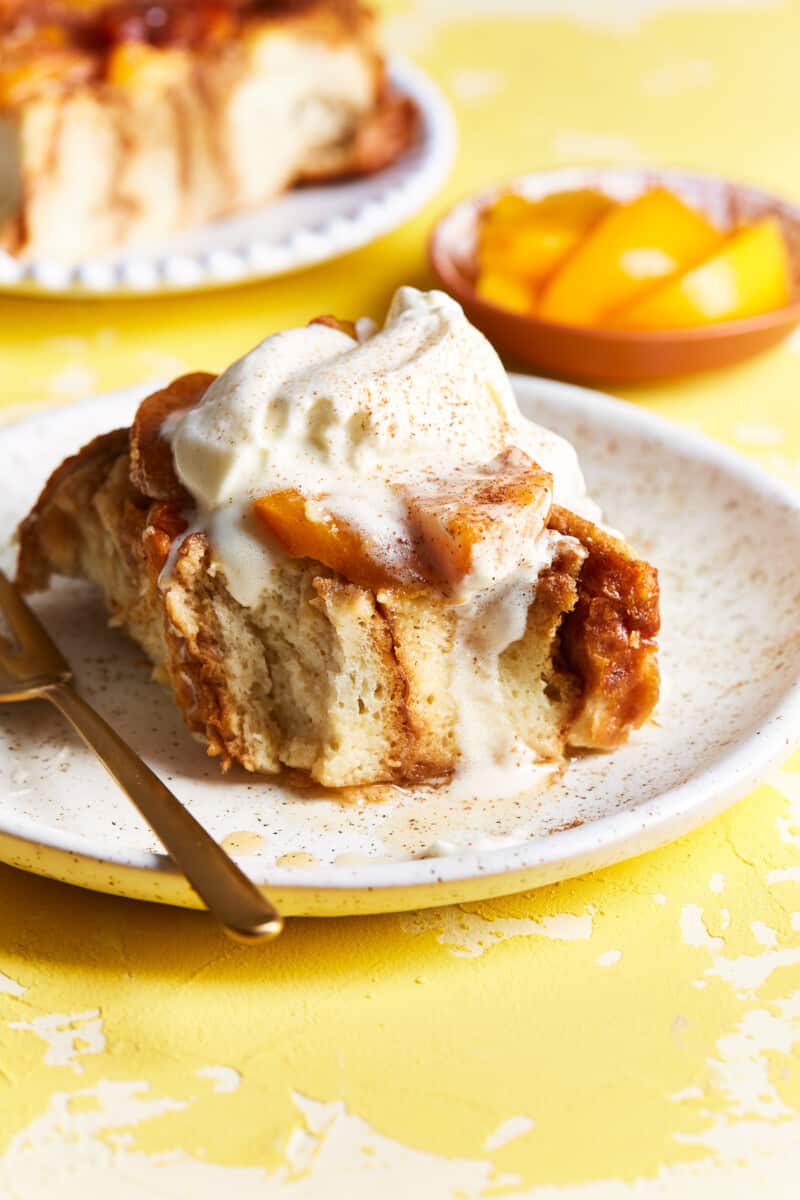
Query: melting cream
312,408
487,625
344,421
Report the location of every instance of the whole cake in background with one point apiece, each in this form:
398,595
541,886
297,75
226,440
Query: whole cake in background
123,122
352,555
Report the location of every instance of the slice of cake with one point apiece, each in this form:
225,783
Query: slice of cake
123,122
351,554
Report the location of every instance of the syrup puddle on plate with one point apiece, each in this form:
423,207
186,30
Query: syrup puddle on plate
243,841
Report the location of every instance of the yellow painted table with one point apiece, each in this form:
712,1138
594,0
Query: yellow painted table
635,1033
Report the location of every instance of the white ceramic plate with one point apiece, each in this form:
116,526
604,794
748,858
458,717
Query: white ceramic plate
306,226
726,539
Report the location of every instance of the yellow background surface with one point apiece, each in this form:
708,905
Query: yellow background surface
635,1033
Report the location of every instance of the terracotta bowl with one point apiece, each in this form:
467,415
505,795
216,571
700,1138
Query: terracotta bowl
618,356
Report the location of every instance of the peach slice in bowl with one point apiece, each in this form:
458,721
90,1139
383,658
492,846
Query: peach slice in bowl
616,352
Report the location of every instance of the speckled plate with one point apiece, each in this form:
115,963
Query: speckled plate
307,225
726,539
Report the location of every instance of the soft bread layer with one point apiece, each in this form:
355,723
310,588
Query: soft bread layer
350,686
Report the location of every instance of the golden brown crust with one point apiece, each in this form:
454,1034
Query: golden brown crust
609,639
48,537
386,133
152,467
196,667
194,670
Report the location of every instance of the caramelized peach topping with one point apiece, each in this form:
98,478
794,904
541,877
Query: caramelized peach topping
58,43
307,528
347,327
449,521
37,59
137,64
505,501
152,467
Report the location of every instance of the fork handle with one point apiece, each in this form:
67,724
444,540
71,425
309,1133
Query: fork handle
245,913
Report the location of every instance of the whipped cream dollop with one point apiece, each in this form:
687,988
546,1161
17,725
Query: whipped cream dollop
313,409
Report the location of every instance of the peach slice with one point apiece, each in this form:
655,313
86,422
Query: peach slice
501,504
134,64
506,291
632,249
528,239
307,528
749,274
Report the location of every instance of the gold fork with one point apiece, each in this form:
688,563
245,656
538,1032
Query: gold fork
35,669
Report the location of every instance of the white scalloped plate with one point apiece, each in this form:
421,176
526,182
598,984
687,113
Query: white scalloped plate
726,538
304,227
